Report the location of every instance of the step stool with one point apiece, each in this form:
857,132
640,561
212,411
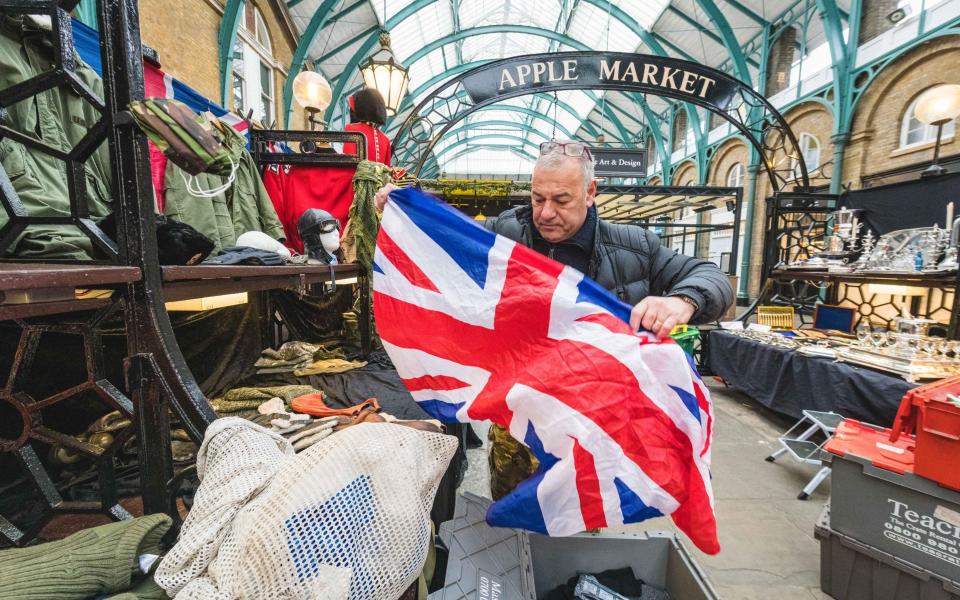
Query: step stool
802,449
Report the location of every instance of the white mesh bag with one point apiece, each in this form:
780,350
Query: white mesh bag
347,518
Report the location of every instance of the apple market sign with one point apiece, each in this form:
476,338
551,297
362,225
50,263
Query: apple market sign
602,70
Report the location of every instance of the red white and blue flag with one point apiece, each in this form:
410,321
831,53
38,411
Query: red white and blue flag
481,328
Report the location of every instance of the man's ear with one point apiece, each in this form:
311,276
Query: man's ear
591,192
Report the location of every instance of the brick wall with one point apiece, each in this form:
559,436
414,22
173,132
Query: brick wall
875,144
724,157
679,129
780,61
186,35
685,174
874,19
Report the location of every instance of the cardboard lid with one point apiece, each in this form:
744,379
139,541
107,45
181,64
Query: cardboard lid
854,439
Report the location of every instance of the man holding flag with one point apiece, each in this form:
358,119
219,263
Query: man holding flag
626,430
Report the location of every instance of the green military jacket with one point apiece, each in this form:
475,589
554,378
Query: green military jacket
246,206
59,118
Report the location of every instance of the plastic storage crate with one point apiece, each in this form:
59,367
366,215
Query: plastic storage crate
851,570
485,563
929,412
877,501
687,338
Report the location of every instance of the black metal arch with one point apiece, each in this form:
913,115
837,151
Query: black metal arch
753,116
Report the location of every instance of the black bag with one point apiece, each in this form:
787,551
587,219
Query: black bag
177,243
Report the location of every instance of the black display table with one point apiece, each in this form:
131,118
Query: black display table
788,382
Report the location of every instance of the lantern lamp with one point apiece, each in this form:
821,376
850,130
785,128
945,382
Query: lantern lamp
383,73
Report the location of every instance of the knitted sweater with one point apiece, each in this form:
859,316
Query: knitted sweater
100,560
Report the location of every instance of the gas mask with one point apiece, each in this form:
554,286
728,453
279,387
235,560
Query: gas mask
320,233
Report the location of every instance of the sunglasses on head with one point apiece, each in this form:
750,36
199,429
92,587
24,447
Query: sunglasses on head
575,149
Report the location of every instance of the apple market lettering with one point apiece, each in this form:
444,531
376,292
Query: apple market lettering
662,76
613,71
540,72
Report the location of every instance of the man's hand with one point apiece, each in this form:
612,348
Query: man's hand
660,314
382,194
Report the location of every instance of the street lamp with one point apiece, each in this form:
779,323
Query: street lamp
938,106
383,73
314,94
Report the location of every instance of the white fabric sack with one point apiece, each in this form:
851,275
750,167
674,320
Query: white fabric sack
348,518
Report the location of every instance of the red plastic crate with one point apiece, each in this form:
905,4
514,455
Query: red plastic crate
936,421
872,444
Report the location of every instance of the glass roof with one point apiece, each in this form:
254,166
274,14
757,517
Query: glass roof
433,37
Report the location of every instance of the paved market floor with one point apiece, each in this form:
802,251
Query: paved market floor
766,534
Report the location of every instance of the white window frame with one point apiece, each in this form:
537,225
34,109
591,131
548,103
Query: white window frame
256,53
802,143
930,131
735,175
268,98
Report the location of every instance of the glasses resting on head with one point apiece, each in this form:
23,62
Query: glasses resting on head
574,149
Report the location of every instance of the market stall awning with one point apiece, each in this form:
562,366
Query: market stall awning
632,204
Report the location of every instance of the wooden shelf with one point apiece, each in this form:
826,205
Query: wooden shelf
185,283
52,284
50,287
31,276
918,279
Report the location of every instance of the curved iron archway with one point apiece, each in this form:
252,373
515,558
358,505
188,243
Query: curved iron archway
752,115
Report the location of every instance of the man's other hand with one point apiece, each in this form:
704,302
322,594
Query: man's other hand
382,195
660,315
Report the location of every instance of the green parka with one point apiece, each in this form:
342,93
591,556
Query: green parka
59,118
245,206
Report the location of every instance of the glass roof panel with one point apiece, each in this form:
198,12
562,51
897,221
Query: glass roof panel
499,45
426,25
537,13
589,25
645,12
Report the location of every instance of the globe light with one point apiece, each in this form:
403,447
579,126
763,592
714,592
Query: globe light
938,106
313,93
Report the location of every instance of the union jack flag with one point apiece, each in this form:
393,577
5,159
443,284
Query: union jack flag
481,328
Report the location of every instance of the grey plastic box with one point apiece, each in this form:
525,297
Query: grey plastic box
906,516
852,570
487,563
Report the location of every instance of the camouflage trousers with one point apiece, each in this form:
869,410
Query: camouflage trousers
510,462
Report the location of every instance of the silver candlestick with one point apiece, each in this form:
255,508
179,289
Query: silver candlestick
949,262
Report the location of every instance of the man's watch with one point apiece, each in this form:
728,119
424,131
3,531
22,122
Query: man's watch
690,301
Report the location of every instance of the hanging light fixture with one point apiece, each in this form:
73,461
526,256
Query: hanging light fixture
314,94
383,73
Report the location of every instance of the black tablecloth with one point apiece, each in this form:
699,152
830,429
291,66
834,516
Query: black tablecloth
788,382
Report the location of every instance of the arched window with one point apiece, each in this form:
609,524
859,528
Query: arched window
253,73
810,147
914,132
735,176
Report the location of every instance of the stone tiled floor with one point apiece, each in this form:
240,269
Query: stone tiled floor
766,534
